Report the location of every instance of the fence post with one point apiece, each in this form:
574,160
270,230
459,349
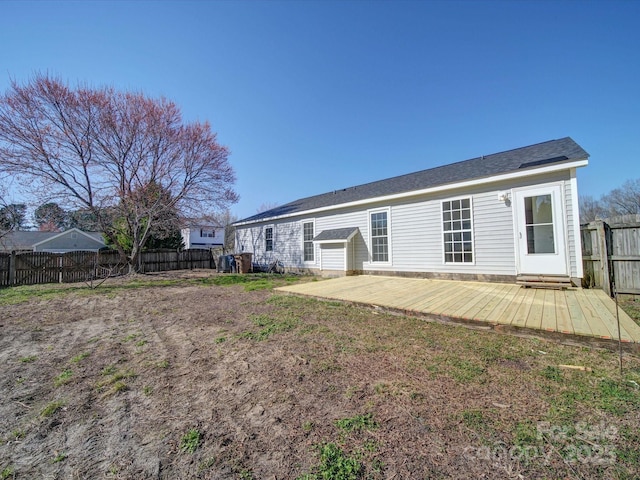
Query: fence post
603,247
12,268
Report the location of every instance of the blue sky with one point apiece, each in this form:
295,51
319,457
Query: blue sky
315,96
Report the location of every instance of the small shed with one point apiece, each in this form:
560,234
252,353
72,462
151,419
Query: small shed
336,250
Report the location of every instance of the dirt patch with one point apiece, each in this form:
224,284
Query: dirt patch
109,382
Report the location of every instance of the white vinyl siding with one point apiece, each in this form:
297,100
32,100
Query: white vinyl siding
574,244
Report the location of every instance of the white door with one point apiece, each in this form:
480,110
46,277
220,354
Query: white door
540,231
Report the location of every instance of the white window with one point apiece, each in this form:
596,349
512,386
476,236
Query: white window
457,228
307,241
379,236
207,233
268,239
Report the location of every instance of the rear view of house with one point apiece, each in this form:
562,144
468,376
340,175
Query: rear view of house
495,217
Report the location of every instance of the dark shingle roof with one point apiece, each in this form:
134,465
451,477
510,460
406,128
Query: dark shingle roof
335,234
520,159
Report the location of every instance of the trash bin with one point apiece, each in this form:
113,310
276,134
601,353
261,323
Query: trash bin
226,263
243,262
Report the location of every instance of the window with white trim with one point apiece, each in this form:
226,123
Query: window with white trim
207,233
457,231
268,239
307,241
379,237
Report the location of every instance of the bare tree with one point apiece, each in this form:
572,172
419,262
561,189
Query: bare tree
624,200
110,153
590,209
3,204
226,219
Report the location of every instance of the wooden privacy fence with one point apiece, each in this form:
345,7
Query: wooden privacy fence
611,253
30,268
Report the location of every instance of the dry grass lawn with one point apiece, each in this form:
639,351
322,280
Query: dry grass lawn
195,375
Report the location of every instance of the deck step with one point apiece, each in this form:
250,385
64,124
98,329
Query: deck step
558,282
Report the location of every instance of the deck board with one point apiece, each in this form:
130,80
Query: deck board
519,318
563,316
591,315
578,320
500,313
469,309
572,311
534,319
549,321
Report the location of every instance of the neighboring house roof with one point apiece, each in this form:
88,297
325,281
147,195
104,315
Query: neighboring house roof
337,235
520,160
27,240
24,240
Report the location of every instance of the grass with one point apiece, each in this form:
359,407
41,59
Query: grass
115,380
356,423
270,325
335,465
26,293
52,407
190,441
109,370
617,397
340,344
78,358
29,359
60,457
64,377
6,473
251,282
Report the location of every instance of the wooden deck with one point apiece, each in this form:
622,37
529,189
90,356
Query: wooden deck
576,311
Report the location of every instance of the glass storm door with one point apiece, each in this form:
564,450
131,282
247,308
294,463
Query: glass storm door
540,233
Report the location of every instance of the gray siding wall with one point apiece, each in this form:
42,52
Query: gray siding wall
416,243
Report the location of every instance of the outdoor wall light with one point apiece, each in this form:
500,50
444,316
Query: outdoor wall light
504,196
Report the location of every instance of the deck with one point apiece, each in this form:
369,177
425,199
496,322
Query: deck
575,311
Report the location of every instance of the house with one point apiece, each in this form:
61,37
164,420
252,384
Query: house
495,217
202,236
52,242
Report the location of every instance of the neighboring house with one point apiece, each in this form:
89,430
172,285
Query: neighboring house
53,242
489,218
203,236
